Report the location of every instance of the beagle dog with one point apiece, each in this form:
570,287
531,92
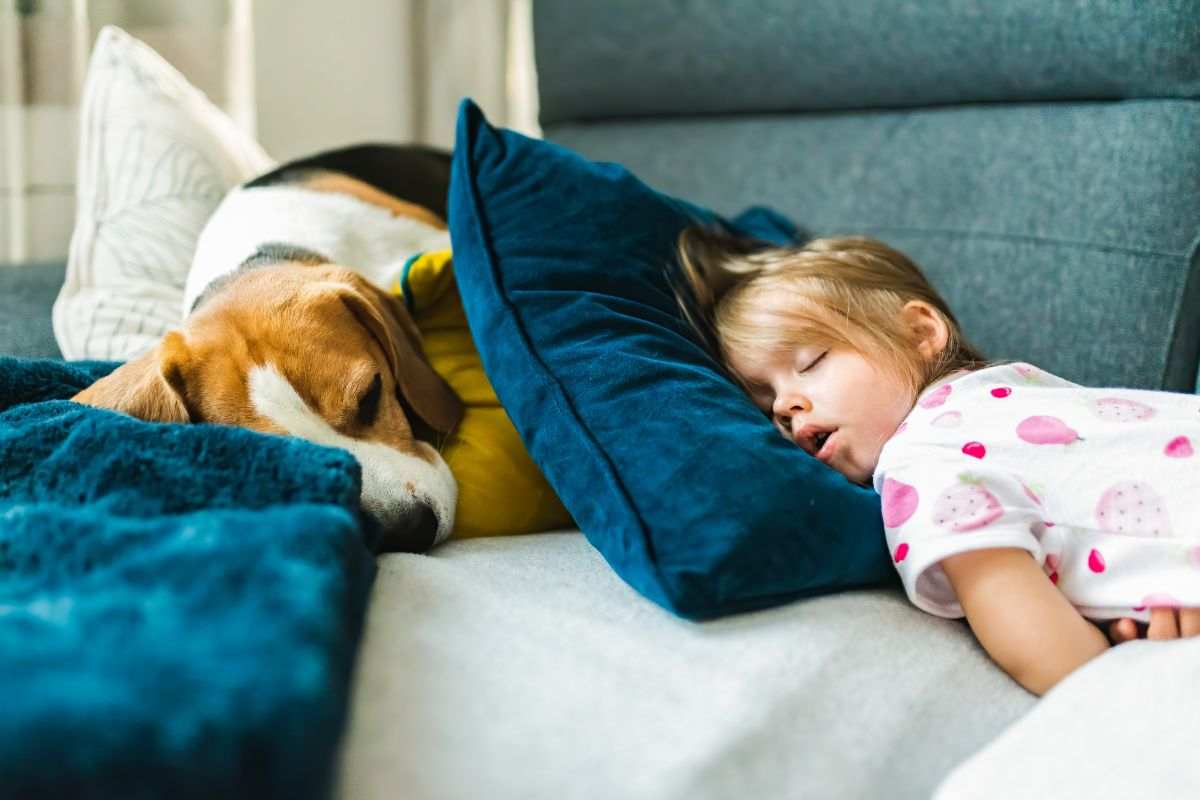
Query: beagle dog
286,331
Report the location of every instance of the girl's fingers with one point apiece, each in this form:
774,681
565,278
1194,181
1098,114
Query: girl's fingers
1123,630
1163,624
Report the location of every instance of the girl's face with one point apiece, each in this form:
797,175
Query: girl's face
836,403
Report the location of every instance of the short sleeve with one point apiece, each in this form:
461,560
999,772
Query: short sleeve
932,512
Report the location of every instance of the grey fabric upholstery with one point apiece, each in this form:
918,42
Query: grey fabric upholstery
1064,233
1053,244
621,58
27,293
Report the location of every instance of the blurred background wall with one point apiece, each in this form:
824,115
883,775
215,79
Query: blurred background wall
301,75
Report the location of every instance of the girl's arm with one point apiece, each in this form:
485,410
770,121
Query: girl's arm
1026,624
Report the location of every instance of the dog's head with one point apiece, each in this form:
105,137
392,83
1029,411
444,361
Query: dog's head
319,353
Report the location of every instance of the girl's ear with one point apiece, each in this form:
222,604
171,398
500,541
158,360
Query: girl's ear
928,328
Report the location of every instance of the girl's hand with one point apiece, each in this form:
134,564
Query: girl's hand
1165,623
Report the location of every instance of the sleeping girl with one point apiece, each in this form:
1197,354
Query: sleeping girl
1020,500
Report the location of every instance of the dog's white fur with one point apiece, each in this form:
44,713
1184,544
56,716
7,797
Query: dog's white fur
369,240
360,236
393,482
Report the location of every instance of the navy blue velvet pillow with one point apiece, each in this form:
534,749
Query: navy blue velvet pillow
669,470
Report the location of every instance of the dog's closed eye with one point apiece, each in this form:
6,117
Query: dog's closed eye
368,404
421,431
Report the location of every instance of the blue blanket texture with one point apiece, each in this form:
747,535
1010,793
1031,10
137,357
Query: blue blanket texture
180,605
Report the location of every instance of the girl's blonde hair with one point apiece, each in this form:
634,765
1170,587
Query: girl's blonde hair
837,292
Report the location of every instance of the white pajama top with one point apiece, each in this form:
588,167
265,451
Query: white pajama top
1101,486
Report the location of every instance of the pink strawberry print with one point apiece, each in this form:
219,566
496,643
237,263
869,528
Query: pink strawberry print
935,398
1120,409
1133,508
948,419
1051,566
1045,430
1031,494
1179,447
1160,600
966,506
899,502
974,449
1096,561
901,552
1028,372
1001,392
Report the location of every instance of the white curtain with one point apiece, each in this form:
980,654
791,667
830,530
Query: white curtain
301,75
335,72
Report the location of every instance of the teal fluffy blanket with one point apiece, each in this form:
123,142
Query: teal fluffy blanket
180,605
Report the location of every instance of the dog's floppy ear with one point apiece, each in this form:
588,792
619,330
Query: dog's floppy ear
150,387
430,397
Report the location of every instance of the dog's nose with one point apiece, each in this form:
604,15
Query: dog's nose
413,533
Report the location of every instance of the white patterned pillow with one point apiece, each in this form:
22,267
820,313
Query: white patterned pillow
155,159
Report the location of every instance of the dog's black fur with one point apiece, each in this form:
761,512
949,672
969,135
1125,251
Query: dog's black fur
415,173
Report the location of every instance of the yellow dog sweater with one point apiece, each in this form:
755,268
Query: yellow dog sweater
500,489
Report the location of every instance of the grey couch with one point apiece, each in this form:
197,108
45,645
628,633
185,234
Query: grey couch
27,292
1040,159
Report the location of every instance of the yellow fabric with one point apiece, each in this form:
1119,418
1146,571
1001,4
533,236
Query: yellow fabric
500,489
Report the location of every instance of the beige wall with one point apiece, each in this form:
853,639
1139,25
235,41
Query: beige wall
303,74
332,73
327,73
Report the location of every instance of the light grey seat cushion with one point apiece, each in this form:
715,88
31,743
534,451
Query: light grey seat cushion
1124,725
523,667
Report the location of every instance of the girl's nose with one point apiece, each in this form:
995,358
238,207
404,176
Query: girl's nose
787,408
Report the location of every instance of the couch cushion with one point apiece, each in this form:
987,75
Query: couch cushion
1064,234
665,464
27,293
634,57
579,690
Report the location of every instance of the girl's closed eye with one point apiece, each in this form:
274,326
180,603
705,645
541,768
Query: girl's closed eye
814,361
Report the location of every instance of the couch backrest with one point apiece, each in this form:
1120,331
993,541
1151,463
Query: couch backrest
1041,160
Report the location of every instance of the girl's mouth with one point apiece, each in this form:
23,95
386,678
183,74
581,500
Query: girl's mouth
825,445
